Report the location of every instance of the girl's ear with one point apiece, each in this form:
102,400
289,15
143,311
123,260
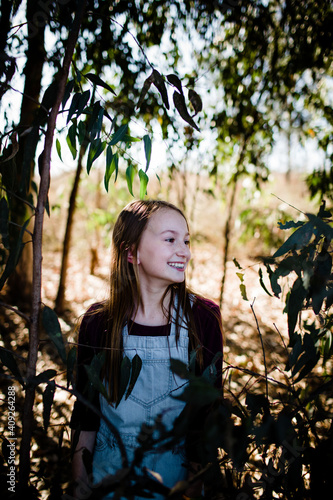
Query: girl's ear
131,258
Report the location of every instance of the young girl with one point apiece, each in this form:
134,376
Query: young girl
151,313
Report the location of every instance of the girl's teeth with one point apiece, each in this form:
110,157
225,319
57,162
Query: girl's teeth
178,266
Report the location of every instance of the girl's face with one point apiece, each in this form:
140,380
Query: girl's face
163,252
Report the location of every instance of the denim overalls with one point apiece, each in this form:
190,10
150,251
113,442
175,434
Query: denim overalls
151,397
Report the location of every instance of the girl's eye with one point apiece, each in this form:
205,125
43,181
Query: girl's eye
170,240
187,242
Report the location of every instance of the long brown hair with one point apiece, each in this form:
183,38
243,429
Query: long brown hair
125,288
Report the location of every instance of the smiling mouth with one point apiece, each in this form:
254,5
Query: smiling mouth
177,265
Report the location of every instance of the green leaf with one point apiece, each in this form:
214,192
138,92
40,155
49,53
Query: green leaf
295,304
199,392
323,213
179,368
48,396
307,358
4,216
82,132
119,135
143,183
125,373
323,228
147,145
71,140
96,80
130,173
43,377
71,361
285,267
94,116
261,281
242,288
180,105
8,360
14,256
96,127
235,261
95,150
128,139
73,106
52,328
299,239
135,372
82,102
290,224
109,167
94,370
195,100
68,90
175,81
159,83
58,148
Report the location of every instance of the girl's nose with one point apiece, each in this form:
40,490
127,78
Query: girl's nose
184,251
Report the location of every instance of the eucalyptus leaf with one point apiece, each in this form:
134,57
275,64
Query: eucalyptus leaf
143,183
8,360
136,366
130,173
119,135
71,361
295,304
58,148
52,328
299,239
96,80
13,256
147,146
43,377
48,396
71,140
125,373
109,167
96,148
73,107
261,281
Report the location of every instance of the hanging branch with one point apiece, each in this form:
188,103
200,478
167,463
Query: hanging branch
44,163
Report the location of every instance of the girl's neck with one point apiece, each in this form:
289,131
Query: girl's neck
150,311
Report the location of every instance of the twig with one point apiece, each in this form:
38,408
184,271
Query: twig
262,345
289,205
17,311
282,340
135,39
19,198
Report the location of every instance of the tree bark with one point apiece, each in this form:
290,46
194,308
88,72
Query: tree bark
27,424
20,282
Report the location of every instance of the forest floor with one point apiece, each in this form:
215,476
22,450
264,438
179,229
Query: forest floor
255,330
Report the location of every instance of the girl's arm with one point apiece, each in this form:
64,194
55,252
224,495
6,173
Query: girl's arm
82,481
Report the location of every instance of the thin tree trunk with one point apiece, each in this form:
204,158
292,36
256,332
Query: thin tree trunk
20,282
227,228
226,236
60,299
27,424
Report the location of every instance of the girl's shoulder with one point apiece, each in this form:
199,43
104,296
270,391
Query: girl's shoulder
205,307
94,321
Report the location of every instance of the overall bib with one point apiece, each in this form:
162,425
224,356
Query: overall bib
151,397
